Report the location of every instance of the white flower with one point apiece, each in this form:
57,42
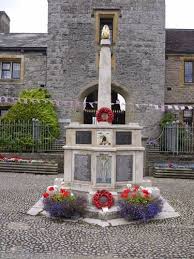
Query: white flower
129,186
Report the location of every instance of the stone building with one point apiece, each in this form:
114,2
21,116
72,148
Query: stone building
179,88
65,61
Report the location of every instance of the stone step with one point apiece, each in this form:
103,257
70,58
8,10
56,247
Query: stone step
182,175
13,167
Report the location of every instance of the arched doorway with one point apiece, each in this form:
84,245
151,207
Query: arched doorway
118,107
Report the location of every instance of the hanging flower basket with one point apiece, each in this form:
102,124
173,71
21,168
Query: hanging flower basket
62,203
137,203
104,114
102,199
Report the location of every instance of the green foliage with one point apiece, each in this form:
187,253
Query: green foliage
58,197
167,118
138,200
43,110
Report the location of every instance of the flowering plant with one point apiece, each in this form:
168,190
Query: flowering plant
102,199
59,202
104,114
139,203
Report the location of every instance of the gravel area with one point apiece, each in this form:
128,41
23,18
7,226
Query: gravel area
24,236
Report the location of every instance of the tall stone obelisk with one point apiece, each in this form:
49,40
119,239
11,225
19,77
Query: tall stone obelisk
104,85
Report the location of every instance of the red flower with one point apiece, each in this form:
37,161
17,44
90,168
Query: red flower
45,195
136,188
146,195
145,192
51,189
65,193
125,193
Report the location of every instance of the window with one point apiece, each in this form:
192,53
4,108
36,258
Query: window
10,70
109,22
3,111
188,117
189,71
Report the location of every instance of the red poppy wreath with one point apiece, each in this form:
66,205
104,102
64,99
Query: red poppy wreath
104,114
102,199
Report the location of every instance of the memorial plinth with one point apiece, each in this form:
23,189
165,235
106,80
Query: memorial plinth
102,156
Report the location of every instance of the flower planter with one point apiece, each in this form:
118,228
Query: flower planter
139,203
61,203
134,211
65,209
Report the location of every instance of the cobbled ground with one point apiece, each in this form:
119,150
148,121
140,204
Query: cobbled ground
23,236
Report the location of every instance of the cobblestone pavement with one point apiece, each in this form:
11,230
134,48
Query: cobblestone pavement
23,236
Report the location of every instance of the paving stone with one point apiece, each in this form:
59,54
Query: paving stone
26,237
96,222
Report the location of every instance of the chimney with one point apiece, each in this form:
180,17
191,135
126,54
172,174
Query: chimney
4,22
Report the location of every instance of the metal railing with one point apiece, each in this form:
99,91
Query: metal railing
28,136
174,138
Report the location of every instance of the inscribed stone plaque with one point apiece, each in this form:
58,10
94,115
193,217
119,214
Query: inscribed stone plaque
82,165
123,138
124,168
83,137
104,138
103,169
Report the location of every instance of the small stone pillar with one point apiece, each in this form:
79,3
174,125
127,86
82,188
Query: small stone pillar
104,86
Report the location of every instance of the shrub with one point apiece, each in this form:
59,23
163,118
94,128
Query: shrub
168,118
37,107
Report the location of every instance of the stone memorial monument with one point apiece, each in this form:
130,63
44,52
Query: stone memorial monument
103,156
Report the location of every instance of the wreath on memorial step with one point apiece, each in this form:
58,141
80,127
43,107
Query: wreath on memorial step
102,199
104,114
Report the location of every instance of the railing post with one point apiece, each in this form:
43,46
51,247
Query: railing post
33,133
177,138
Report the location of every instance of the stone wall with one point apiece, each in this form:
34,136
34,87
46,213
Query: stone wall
33,75
176,91
4,23
139,53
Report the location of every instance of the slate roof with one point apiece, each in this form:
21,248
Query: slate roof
23,40
179,41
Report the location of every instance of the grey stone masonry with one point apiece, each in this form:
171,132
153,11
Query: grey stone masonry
139,52
4,22
33,74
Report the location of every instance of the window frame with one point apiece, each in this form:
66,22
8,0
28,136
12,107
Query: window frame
107,14
12,59
182,59
3,110
189,61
